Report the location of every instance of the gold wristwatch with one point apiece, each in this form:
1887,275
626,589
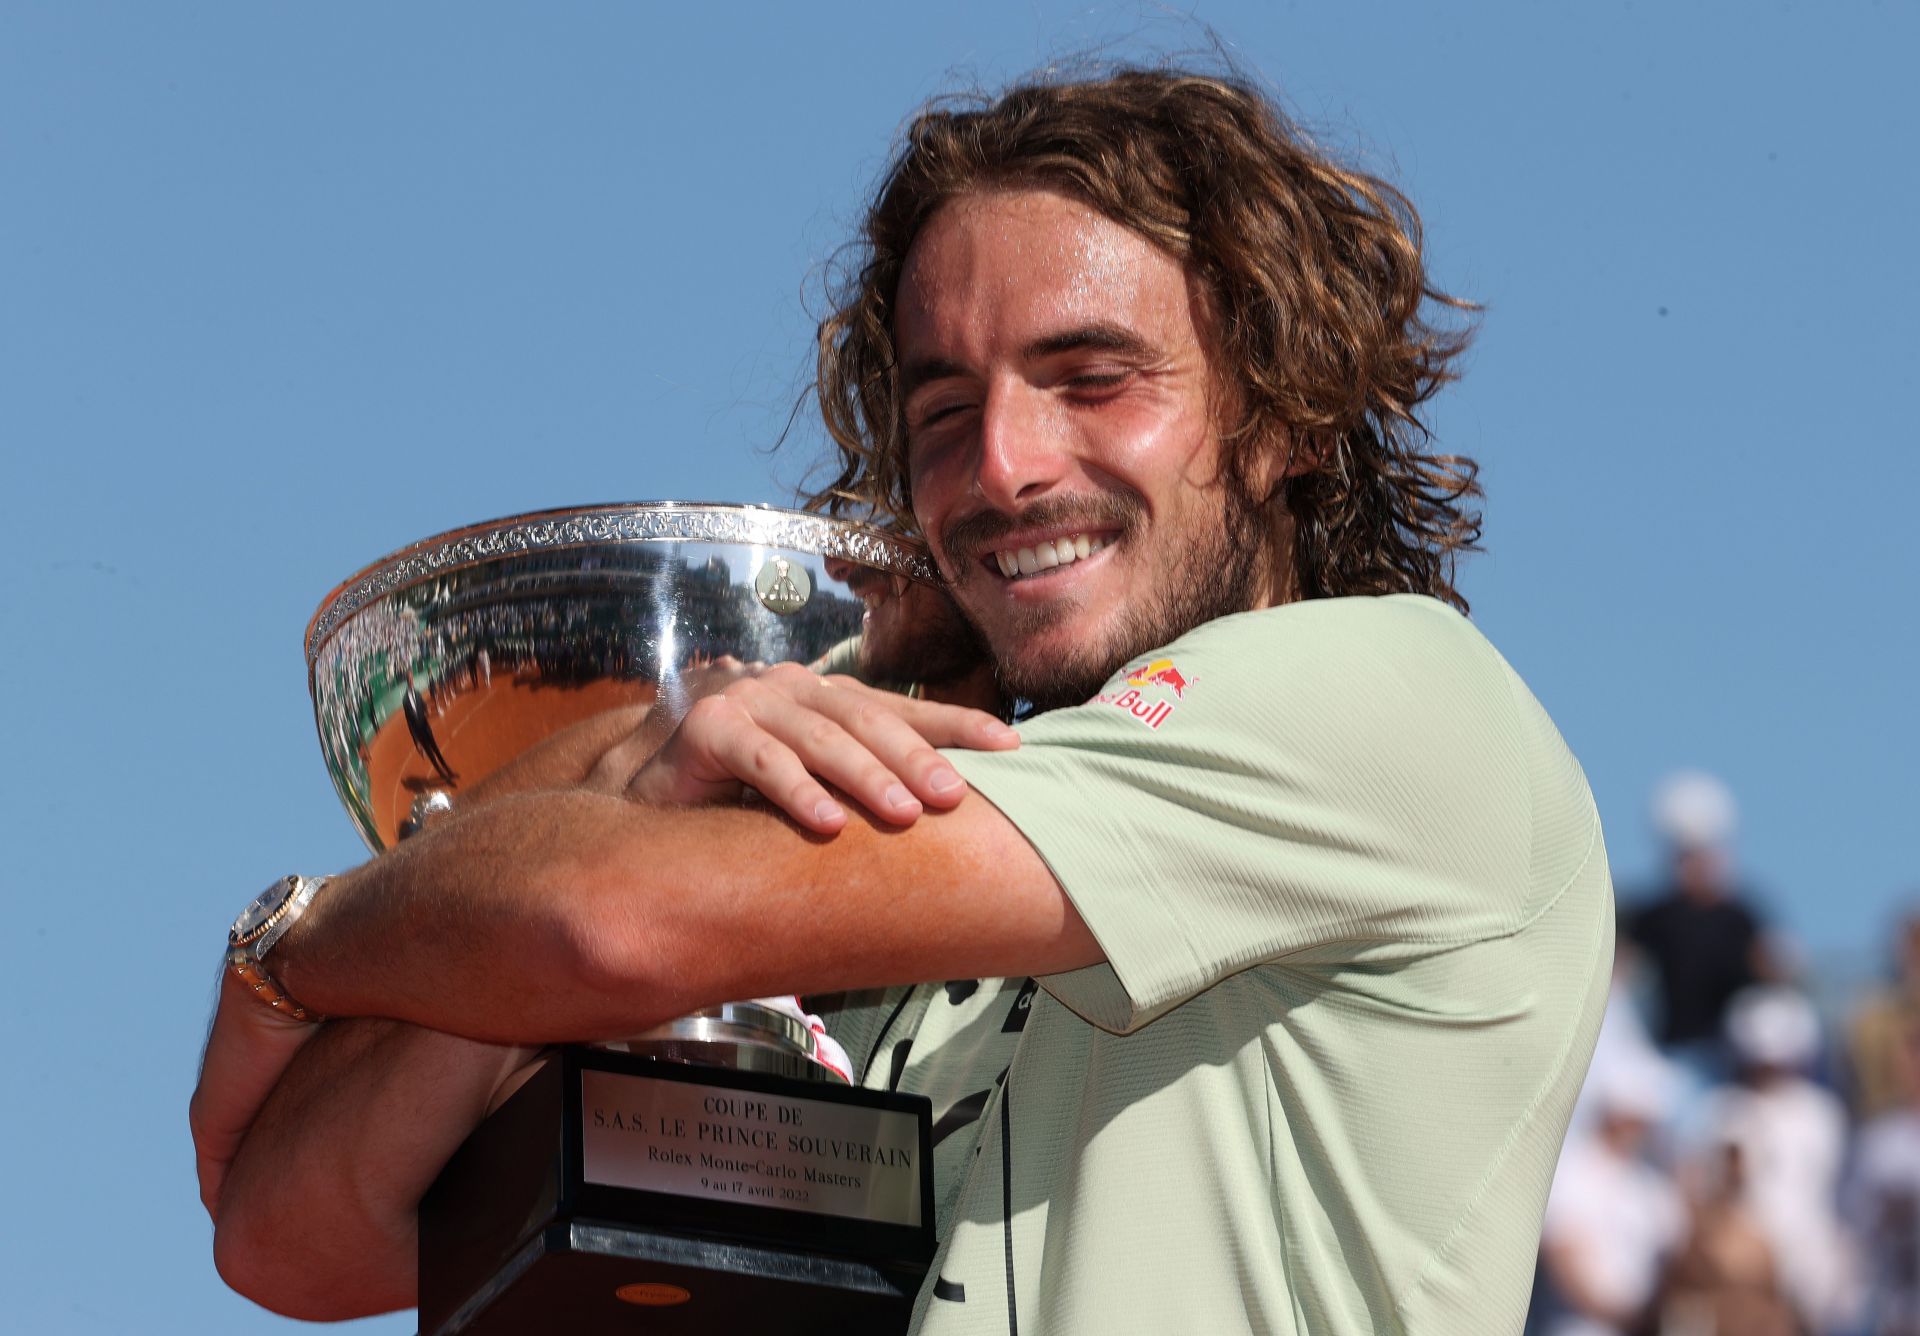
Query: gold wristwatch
259,926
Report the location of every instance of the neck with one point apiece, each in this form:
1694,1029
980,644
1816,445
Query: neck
1279,577
975,688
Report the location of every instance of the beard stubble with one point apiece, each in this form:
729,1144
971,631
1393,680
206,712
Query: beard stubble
1214,576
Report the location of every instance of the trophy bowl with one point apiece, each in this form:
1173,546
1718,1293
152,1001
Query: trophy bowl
435,666
439,664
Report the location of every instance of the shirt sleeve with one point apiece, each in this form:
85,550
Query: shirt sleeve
1325,782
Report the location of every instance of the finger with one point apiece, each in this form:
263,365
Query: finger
945,725
858,741
934,725
941,724
823,748
720,747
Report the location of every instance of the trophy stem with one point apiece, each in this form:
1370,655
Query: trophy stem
743,1035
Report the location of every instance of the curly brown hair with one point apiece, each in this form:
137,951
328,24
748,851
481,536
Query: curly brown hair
1313,277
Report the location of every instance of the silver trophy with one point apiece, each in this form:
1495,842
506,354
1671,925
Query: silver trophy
436,666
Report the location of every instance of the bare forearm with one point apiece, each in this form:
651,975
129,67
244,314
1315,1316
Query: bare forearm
577,916
317,1216
480,927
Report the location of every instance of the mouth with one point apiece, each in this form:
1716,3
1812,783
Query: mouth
1025,561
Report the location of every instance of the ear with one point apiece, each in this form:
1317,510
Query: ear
1289,456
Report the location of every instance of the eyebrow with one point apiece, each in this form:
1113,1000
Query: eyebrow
1098,337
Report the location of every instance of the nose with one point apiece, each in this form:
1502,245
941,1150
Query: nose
1022,453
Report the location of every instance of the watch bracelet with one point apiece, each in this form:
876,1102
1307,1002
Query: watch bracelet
263,987
247,959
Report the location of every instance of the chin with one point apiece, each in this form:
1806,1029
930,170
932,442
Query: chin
1053,680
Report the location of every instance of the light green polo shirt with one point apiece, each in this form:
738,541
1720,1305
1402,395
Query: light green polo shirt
1355,907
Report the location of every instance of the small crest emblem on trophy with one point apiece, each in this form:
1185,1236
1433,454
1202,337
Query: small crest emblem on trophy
783,586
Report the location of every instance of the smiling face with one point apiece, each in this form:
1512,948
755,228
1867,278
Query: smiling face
1062,439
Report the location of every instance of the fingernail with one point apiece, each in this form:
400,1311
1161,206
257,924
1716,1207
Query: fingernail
827,810
996,730
897,796
944,780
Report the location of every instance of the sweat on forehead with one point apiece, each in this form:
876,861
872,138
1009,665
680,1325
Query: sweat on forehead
1039,269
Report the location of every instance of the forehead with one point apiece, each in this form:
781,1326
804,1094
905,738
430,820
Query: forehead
1021,264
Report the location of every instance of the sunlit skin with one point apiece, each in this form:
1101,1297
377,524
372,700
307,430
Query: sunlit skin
1057,384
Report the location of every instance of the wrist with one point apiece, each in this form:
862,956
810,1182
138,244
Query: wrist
297,955
266,1030
252,943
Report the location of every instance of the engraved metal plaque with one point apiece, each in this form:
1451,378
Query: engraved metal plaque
759,1149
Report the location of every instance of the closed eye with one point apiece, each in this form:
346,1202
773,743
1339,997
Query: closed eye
1097,386
925,415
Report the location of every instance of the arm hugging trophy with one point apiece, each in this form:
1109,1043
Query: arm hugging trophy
718,1170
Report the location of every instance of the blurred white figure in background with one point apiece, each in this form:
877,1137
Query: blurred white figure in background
1791,1137
1612,1218
1883,1205
1693,810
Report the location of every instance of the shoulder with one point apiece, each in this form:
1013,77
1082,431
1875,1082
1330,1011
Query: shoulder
1401,669
1396,698
1381,636
1817,1103
1385,727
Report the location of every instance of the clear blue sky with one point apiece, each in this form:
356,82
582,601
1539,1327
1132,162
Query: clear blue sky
283,287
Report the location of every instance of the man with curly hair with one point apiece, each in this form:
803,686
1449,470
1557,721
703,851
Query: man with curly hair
1267,952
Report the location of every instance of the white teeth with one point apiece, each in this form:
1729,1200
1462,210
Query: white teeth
1046,555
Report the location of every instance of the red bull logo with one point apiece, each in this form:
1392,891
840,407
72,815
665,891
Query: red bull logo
1160,673
1152,713
1151,709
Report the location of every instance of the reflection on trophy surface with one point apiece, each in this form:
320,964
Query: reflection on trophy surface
435,668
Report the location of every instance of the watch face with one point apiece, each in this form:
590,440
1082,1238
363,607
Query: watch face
254,917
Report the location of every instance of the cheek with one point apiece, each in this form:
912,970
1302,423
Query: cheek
1147,444
937,476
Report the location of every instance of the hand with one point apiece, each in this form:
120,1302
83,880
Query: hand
782,731
568,758
248,1048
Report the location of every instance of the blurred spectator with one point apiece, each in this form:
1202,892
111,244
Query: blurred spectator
1788,1140
1612,1218
1880,1060
1883,1205
1724,1282
1700,938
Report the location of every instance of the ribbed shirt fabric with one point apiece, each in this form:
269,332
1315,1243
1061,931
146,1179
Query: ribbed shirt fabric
1354,902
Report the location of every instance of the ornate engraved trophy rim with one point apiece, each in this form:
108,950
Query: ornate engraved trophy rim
618,522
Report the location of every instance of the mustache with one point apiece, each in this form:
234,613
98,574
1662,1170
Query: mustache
982,532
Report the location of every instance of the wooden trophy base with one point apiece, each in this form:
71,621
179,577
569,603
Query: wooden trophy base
615,1193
